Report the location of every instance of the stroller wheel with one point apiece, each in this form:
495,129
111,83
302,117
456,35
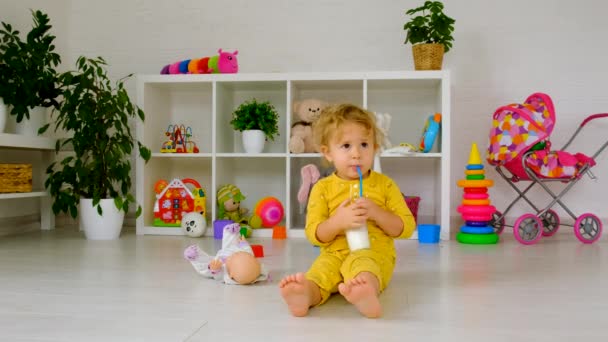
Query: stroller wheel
588,228
550,222
528,229
499,225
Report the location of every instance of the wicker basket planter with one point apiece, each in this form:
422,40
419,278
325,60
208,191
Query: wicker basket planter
15,178
428,56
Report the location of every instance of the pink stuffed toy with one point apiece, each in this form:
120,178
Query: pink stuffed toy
223,63
310,175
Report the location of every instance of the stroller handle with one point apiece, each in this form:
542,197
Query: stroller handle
589,118
593,117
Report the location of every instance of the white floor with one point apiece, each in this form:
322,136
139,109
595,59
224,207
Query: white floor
56,286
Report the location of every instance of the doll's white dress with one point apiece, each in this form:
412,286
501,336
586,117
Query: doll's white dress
231,243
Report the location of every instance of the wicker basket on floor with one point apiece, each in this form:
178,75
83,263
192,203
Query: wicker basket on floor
15,178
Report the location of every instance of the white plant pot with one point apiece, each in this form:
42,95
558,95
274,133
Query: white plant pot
105,227
253,141
29,126
3,115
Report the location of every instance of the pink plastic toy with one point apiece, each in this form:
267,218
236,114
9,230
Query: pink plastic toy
222,63
268,212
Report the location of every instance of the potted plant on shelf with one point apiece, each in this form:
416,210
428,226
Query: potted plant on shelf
430,33
258,121
96,178
28,79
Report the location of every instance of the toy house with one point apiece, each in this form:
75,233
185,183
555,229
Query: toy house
175,199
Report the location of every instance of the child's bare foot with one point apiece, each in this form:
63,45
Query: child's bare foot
299,293
363,295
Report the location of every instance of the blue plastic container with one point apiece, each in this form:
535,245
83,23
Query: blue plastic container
428,233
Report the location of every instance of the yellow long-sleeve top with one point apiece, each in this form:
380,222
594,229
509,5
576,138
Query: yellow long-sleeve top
327,195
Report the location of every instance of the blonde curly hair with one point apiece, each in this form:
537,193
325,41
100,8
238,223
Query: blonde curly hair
334,116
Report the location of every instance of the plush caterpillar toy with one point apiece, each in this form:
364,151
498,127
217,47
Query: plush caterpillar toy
223,63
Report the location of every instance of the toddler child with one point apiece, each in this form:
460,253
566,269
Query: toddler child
347,136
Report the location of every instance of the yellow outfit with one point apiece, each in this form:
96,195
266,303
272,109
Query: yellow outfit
336,262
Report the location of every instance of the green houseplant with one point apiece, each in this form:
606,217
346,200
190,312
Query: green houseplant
95,114
429,29
259,121
28,78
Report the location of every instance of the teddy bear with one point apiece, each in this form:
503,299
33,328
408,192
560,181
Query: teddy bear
305,112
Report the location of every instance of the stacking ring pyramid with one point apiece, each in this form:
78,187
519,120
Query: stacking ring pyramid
476,210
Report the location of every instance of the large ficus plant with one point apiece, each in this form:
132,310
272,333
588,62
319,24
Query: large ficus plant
429,25
95,114
256,115
28,77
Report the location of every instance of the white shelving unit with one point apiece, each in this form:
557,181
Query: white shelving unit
206,103
14,148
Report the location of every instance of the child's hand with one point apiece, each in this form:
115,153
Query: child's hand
351,215
215,265
373,210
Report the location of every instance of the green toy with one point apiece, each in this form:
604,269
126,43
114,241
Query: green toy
229,198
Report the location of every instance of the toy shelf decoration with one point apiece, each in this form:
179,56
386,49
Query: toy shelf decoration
175,199
223,63
476,209
179,140
429,134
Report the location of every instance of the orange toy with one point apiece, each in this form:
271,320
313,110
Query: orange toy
279,232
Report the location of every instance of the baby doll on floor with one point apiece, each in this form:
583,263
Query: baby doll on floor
234,262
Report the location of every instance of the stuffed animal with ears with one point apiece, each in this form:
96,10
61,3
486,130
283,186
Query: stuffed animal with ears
310,174
304,113
222,63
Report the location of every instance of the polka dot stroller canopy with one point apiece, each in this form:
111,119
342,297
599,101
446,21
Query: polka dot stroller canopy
518,127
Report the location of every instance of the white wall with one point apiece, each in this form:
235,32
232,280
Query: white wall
503,52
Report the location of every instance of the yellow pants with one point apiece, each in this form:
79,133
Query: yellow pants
334,267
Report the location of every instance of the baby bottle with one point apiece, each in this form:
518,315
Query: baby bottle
357,238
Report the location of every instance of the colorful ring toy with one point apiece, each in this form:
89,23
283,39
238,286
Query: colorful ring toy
472,217
475,196
475,177
476,223
474,172
474,167
477,239
477,230
475,202
482,183
475,190
477,210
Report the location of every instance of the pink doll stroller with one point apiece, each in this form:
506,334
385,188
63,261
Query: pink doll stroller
519,143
